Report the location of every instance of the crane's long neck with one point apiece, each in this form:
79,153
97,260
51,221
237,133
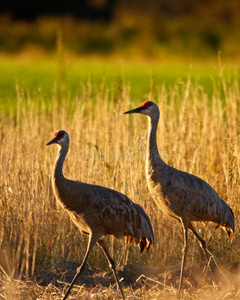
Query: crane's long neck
58,167
154,160
58,179
66,191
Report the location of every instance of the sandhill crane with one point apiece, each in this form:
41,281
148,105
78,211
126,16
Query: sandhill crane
98,211
179,194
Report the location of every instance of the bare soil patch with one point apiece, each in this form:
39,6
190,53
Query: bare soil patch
139,282
137,277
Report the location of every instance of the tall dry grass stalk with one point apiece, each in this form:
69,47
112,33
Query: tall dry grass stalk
196,134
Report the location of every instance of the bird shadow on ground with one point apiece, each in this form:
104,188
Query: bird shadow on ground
138,276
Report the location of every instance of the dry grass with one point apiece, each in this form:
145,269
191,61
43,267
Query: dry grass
196,134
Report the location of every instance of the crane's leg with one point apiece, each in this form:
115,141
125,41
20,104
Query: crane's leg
202,242
111,264
203,246
184,250
91,242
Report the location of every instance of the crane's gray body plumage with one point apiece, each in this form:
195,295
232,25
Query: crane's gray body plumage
179,194
113,212
185,196
98,211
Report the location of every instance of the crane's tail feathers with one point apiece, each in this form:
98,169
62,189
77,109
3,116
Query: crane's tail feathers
141,230
148,245
230,224
128,240
227,221
144,236
228,230
142,243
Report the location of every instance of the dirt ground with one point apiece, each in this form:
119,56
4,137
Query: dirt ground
136,278
138,282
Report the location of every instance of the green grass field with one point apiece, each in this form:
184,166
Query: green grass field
198,133
140,78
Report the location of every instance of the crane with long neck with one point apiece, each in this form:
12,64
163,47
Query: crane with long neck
98,211
179,194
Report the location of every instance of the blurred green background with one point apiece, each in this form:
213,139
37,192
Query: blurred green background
140,45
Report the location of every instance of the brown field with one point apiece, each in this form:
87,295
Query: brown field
196,134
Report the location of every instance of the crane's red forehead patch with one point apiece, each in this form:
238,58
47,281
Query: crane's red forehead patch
145,105
59,134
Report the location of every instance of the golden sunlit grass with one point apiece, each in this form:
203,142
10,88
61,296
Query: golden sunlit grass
196,134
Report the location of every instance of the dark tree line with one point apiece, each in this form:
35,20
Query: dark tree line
29,10
104,9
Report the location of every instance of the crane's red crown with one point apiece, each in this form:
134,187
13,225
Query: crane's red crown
145,105
59,134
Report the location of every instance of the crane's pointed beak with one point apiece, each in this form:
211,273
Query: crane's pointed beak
53,141
134,111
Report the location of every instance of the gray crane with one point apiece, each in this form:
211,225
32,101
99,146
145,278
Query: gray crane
98,211
179,194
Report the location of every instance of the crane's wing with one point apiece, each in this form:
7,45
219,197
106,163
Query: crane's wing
198,200
122,217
